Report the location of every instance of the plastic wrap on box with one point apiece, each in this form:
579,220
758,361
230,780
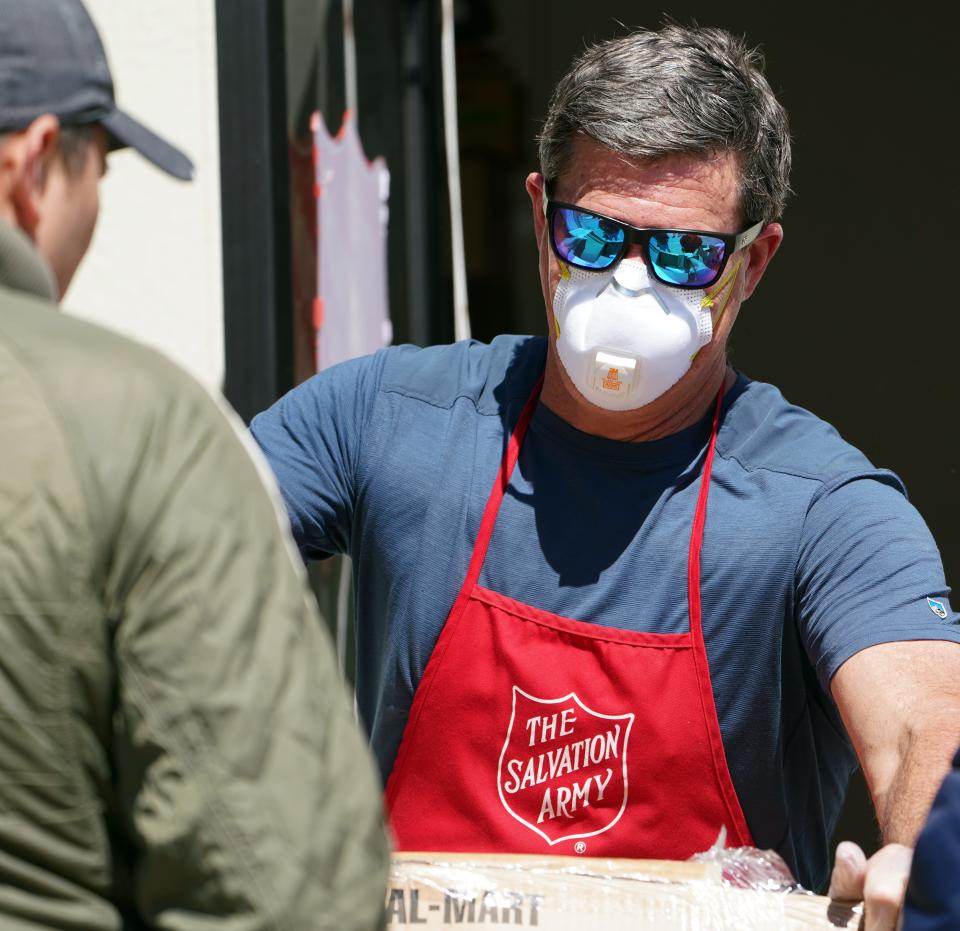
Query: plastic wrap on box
450,891
749,868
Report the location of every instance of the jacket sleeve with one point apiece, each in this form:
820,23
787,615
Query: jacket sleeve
248,792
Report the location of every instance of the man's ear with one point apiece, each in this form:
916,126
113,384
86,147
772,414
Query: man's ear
30,156
537,194
760,252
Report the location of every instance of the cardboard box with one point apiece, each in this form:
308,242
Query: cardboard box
436,892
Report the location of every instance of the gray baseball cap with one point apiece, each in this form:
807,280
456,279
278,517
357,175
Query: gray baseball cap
52,61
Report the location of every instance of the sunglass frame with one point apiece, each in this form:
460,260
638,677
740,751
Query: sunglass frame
637,235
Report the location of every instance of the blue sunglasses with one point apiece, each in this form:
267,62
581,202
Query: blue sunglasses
679,258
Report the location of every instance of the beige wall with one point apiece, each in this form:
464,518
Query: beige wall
154,269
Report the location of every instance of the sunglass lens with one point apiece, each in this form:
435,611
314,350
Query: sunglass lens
690,259
586,240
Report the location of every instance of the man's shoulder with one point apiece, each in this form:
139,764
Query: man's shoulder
487,374
762,430
106,394
97,420
82,367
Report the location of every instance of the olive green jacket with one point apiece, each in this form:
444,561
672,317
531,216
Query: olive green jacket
176,748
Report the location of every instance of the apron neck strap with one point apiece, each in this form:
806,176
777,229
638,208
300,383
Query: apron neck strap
699,522
507,463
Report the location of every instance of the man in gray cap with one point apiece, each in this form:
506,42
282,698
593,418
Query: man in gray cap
176,747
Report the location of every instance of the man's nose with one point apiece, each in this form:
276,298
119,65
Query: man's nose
631,279
635,255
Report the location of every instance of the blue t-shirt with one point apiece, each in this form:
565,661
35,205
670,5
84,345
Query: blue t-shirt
810,554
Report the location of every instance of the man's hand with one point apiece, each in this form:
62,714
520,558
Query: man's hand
879,882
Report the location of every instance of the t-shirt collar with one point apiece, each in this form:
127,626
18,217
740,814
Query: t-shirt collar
682,446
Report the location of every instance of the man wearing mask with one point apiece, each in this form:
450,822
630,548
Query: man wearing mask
613,595
176,747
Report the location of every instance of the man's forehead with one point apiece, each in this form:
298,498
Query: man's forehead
641,191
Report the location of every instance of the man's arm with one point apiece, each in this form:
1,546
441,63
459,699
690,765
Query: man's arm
874,614
900,703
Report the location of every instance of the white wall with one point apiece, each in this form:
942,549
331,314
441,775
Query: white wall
154,269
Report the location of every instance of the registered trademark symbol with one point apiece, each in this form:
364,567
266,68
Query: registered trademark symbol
580,847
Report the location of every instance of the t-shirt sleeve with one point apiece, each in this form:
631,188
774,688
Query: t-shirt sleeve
868,572
312,439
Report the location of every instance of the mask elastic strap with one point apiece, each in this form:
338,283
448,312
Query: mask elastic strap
710,299
564,276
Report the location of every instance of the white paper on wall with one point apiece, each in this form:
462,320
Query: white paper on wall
352,314
154,271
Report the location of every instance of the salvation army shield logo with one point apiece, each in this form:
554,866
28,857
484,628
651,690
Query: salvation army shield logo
563,767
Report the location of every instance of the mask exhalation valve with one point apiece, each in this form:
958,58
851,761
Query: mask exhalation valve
613,374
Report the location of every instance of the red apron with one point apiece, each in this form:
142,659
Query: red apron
534,733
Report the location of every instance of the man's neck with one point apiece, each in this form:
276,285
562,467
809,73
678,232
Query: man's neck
685,404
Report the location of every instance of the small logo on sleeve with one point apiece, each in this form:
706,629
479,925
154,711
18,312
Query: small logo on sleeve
937,607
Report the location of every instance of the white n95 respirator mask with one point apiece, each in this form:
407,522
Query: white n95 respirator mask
623,337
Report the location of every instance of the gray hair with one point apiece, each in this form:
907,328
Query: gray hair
679,90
